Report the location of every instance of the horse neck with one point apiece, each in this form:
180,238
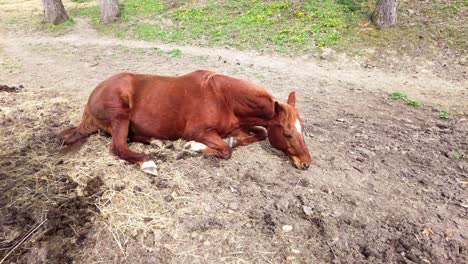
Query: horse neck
251,104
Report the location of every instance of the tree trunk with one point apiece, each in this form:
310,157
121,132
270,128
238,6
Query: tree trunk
109,10
54,12
385,14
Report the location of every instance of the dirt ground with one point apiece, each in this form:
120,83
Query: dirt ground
387,185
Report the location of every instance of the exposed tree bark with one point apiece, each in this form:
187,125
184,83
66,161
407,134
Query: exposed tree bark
385,14
54,12
109,10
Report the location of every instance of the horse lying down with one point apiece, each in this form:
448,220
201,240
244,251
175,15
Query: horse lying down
202,107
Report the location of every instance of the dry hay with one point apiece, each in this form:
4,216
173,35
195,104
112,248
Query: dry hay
30,156
35,189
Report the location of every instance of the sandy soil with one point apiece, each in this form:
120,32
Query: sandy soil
388,184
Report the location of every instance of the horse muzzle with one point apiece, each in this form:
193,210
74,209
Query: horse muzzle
302,164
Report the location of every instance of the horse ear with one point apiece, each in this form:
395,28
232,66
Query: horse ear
292,99
277,107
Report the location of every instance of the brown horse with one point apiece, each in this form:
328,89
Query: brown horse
203,107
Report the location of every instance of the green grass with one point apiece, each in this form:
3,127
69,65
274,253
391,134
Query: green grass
150,32
92,12
444,115
398,96
404,97
60,28
70,22
175,52
143,7
258,24
291,27
413,103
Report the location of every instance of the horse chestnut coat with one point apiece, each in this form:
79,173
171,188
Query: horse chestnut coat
202,107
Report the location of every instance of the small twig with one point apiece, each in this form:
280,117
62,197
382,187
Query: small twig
23,240
448,200
358,169
74,230
331,249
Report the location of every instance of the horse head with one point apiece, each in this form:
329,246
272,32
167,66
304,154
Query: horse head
286,133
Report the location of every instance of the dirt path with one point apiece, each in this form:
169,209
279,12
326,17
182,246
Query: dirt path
388,184
343,72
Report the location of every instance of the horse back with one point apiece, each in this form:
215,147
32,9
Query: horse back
162,106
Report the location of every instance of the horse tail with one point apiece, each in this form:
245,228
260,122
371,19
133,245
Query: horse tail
74,137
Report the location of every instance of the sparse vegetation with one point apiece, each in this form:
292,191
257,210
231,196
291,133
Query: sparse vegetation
413,103
60,28
404,97
398,96
458,154
175,52
444,115
426,31
70,22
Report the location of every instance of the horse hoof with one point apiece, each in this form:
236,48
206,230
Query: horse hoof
149,167
195,146
231,141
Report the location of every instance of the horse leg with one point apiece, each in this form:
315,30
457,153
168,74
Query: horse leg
248,135
211,144
120,149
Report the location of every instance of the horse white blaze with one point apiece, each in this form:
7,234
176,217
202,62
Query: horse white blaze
298,126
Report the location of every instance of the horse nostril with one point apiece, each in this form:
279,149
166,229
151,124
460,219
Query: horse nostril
305,166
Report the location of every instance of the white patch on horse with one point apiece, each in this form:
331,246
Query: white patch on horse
298,126
231,141
195,146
